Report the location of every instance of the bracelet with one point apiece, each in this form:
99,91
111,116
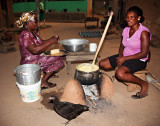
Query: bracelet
56,36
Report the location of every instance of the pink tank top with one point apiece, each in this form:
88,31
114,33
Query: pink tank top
132,45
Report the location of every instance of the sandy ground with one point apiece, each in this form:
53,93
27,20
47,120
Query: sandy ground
123,110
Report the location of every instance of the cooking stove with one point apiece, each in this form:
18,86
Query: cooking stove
91,91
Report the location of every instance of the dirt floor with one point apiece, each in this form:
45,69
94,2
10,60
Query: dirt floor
122,111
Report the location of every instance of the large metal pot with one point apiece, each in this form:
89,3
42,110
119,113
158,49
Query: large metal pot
85,77
28,74
74,45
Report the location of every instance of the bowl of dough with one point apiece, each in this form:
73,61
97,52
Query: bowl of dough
56,52
74,45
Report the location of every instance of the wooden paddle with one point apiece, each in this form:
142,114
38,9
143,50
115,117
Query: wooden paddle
103,36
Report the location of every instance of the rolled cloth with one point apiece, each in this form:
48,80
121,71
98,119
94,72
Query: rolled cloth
25,17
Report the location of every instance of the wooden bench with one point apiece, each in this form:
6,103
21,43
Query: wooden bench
84,55
91,19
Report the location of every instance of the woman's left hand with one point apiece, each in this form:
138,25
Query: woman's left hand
120,61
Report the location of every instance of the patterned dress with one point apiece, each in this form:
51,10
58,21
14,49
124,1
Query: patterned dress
47,63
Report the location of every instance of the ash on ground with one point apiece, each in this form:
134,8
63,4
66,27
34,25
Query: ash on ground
100,106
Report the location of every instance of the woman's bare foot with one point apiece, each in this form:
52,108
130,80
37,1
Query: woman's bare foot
46,85
143,93
144,89
55,76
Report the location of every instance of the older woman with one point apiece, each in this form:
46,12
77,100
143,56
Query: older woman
32,48
133,52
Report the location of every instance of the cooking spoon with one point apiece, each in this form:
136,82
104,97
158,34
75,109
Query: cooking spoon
102,38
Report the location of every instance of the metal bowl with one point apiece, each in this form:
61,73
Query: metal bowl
74,45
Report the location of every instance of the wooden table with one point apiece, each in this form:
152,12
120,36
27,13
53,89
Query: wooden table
84,55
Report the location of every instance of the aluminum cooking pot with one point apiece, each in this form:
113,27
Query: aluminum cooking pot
74,45
28,74
85,77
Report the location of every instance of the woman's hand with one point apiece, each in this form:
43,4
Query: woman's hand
55,39
120,61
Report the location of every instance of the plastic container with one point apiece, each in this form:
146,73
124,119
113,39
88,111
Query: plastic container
30,93
92,47
28,74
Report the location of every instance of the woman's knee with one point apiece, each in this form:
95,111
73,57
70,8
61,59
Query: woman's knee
119,74
103,63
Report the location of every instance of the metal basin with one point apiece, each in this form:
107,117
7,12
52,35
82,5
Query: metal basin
74,45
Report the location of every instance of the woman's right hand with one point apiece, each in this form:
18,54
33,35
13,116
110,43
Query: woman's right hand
55,39
120,61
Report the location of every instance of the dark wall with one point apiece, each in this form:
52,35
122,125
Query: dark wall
2,24
6,13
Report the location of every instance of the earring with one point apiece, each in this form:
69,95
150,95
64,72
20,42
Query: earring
138,19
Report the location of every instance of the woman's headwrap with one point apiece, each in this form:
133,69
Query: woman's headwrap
25,17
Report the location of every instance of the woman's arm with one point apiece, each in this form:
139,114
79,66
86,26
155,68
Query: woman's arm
57,37
120,58
32,48
145,42
121,48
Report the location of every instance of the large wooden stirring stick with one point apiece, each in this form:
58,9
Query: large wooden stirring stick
102,38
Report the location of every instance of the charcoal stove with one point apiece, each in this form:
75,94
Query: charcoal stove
102,89
95,83
92,92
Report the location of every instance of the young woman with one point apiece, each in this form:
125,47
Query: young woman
133,52
32,48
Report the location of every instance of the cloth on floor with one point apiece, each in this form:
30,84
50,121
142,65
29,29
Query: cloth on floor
91,34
